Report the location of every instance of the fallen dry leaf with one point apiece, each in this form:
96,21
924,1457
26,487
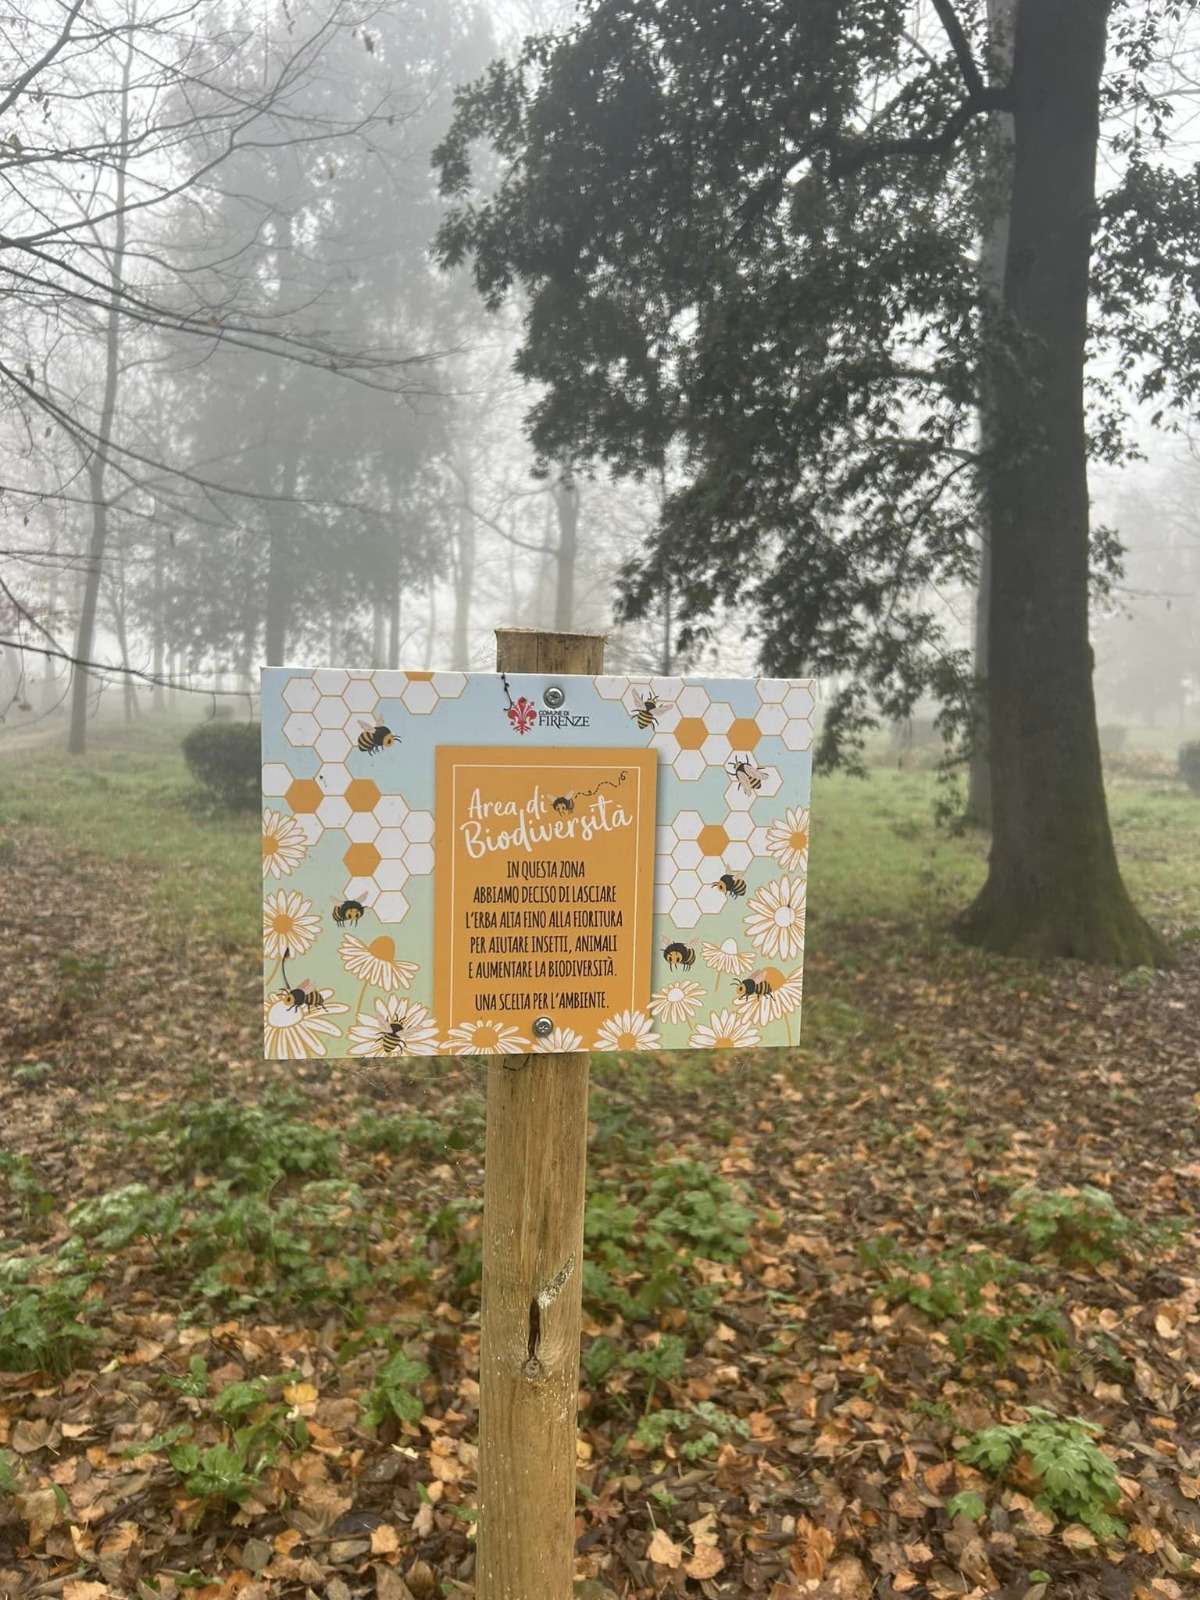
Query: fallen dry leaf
663,1550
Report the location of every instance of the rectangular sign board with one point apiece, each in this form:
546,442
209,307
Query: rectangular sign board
474,864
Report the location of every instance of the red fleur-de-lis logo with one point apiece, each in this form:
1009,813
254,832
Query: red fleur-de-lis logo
522,714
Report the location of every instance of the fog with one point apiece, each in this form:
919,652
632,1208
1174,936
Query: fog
246,418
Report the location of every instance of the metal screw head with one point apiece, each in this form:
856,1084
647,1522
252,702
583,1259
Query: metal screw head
554,697
543,1027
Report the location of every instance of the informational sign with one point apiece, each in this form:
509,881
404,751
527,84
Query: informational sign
545,884
461,864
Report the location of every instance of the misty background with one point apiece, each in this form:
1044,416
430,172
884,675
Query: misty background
247,419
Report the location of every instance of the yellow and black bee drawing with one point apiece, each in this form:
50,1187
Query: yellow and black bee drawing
374,736
391,1039
301,996
646,715
347,911
678,954
733,888
564,804
763,982
749,777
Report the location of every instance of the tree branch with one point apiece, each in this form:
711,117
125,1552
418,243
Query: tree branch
31,73
961,46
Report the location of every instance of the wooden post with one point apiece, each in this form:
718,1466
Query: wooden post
533,1200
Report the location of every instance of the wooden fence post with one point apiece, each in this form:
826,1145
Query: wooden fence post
534,1172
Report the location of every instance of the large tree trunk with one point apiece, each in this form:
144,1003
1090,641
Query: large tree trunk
1053,886
993,251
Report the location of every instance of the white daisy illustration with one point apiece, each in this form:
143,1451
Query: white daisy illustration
562,1042
628,1030
283,844
486,1039
289,923
782,999
298,1033
787,839
677,1001
726,957
725,1030
376,963
775,919
394,1028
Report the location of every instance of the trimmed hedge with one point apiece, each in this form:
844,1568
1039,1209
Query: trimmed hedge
225,758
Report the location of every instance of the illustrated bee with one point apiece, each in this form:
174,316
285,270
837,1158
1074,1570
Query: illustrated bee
393,1038
733,887
347,911
374,736
763,982
677,954
564,805
646,715
749,777
300,997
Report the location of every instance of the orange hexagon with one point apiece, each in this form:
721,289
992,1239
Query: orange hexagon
304,794
743,734
362,794
713,839
419,677
689,733
361,860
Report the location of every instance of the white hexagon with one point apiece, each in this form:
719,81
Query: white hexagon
333,745
686,883
736,799
719,716
276,779
333,777
686,914
797,735
689,765
363,890
449,685
686,853
772,690
688,825
663,898
391,874
693,700
331,711
711,899
664,869
739,825
301,728
390,906
420,698
711,867
331,680
300,694
334,812
360,695
391,811
418,858
772,781
771,719
310,826
390,842
798,702
758,841
418,826
738,856
362,827
612,688
715,750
